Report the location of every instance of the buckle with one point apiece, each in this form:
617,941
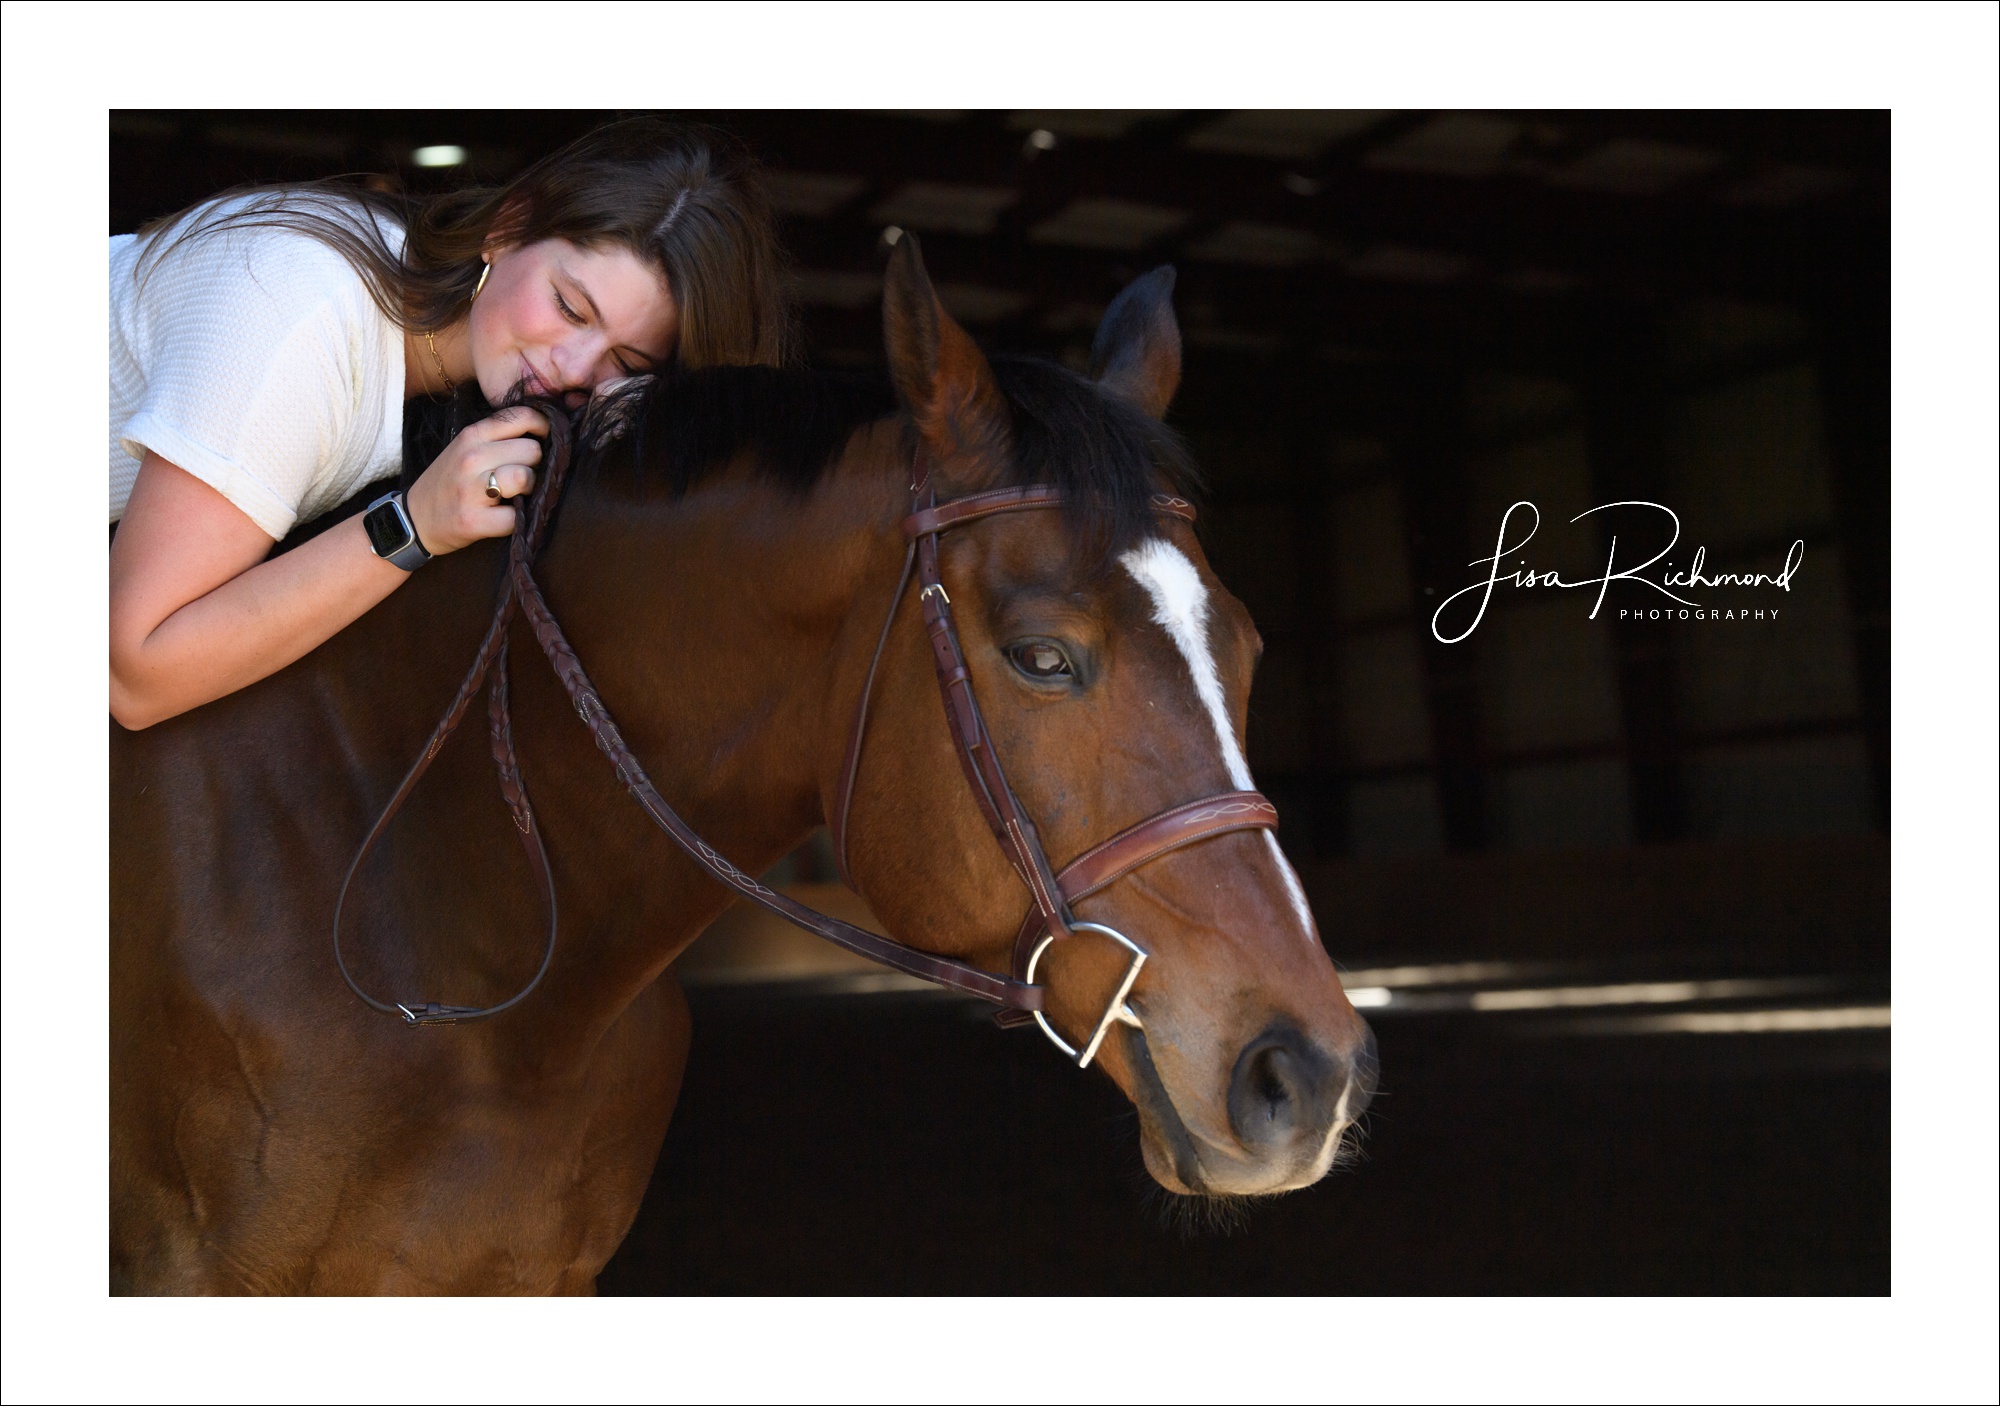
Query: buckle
432,1014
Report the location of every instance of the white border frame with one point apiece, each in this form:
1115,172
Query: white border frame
64,66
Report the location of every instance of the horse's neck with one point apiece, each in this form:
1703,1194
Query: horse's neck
711,624
716,628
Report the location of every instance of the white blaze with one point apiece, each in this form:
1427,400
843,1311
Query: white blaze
1180,607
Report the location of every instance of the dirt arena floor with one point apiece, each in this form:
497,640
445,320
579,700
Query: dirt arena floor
899,1144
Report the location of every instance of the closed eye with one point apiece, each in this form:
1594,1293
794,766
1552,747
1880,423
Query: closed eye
625,368
1040,660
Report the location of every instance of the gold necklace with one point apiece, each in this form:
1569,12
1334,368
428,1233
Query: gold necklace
450,386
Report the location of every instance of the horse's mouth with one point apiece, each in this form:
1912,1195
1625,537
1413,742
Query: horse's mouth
1163,1136
1175,1155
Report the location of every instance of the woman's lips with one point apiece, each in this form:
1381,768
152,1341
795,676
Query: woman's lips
532,382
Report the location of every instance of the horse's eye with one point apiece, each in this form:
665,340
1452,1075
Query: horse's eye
1040,661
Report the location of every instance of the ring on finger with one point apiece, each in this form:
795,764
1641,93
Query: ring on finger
493,485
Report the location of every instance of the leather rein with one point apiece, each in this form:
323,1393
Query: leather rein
1048,919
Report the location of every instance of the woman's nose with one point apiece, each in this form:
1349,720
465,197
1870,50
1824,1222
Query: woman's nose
585,362
573,360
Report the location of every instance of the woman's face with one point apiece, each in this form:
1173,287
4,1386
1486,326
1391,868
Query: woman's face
558,320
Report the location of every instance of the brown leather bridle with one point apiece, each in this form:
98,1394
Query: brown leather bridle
1049,919
1052,892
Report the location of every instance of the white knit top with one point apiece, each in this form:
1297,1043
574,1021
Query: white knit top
255,360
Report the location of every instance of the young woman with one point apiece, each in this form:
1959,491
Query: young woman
263,345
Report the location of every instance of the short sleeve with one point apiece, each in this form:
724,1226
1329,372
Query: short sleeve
252,351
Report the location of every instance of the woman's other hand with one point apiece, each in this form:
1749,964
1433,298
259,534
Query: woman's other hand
450,504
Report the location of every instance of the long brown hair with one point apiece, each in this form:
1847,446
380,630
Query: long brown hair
687,200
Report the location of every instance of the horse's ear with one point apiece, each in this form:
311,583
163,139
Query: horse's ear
940,374
1137,352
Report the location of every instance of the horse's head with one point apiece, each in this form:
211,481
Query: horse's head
1113,671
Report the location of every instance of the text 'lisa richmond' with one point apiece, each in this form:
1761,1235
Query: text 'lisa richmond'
1668,582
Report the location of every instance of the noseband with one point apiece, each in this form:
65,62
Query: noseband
1049,919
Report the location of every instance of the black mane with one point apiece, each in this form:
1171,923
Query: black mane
688,425
1107,456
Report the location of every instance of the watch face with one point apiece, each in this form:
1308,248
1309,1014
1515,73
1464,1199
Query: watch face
388,530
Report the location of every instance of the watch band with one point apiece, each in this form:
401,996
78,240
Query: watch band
391,533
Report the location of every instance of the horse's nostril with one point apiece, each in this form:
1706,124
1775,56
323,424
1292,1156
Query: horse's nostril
1271,1085
1278,1087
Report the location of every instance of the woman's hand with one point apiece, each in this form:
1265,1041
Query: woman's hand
449,503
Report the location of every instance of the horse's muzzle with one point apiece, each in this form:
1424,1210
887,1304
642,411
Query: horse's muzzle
1289,1104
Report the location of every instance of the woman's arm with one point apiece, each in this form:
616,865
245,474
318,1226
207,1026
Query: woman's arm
196,610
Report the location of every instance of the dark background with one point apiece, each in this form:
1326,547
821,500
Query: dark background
1397,323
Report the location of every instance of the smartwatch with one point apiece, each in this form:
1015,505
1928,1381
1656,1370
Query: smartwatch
391,533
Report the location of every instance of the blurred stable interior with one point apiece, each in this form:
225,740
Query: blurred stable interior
1397,324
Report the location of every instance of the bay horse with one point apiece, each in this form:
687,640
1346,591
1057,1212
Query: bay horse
722,567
